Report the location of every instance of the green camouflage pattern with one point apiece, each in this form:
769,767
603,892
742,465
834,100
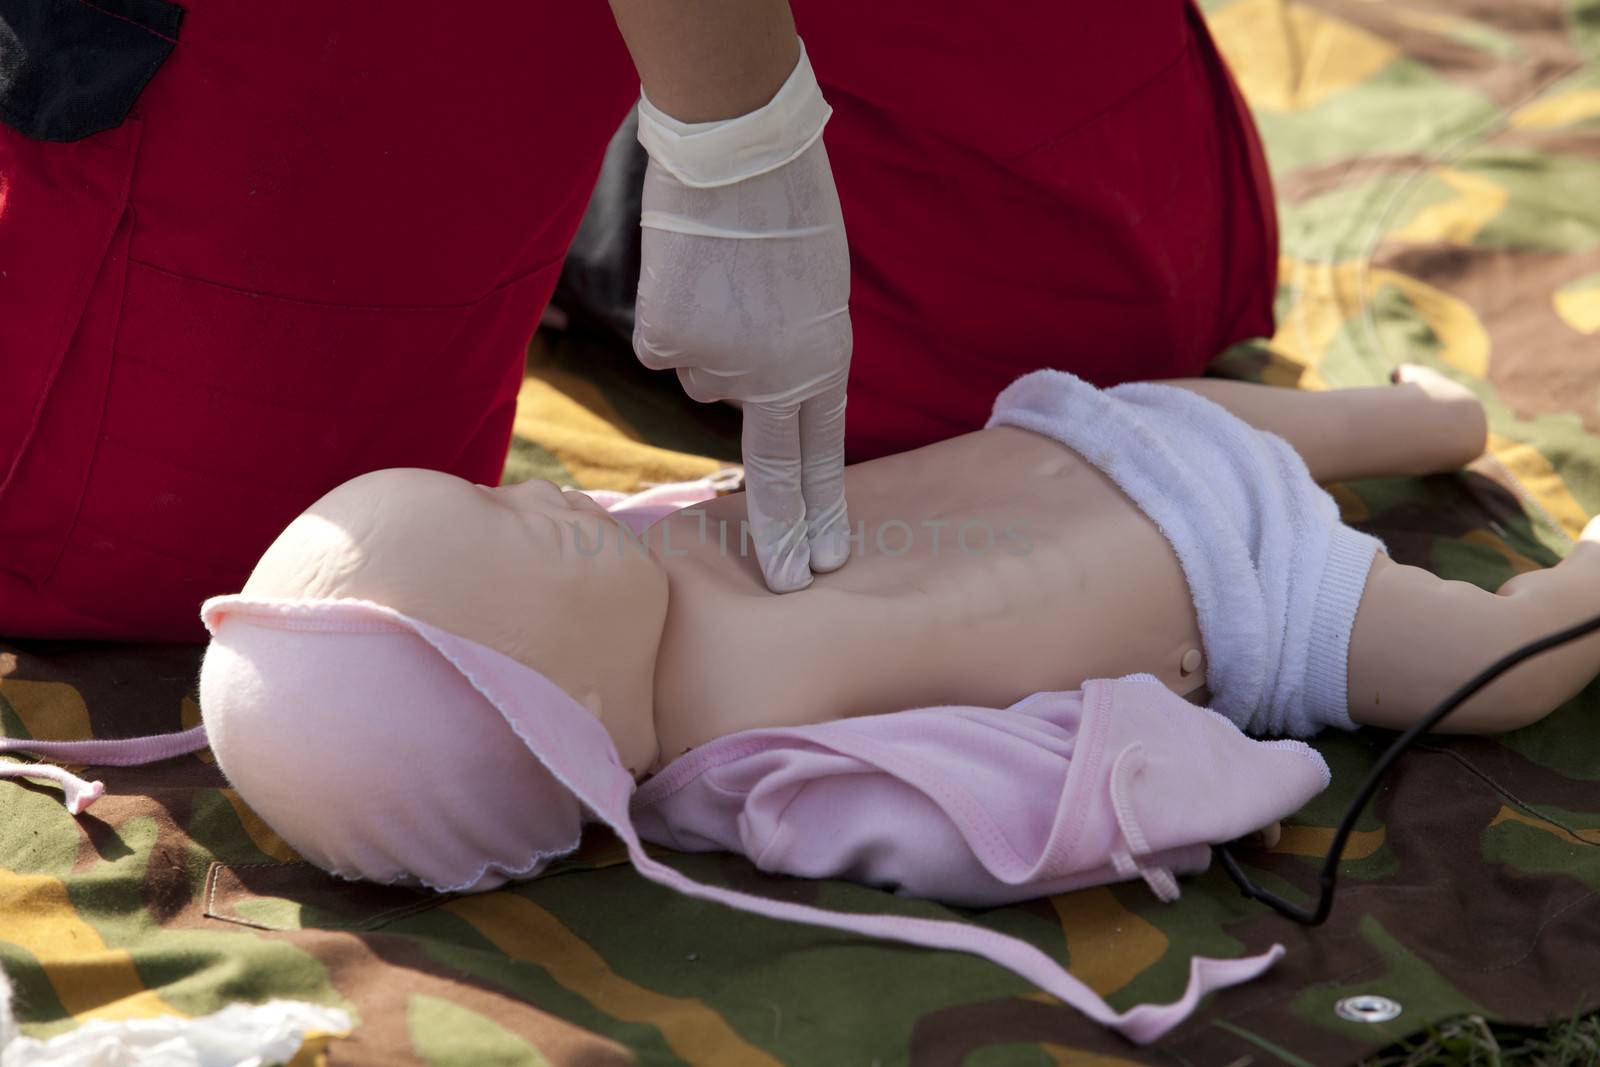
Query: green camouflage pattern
1438,167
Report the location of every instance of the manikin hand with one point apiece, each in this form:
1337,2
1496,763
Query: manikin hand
744,289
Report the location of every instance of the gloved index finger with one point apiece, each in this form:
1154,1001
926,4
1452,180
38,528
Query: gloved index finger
773,497
822,477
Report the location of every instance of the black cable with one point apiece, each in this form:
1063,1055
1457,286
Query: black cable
1330,864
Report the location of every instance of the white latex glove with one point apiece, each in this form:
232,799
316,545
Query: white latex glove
744,289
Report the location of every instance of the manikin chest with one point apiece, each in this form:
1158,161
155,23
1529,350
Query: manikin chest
983,569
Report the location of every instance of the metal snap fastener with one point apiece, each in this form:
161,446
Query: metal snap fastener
1368,1008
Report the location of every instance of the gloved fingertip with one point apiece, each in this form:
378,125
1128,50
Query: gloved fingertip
830,549
794,574
788,569
791,583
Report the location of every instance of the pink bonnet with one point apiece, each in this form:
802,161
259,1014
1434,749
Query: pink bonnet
366,740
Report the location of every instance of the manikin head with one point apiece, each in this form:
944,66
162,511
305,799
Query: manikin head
539,574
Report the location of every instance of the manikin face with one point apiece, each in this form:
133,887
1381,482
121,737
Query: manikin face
542,575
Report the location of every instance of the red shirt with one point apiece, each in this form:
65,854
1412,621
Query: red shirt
319,245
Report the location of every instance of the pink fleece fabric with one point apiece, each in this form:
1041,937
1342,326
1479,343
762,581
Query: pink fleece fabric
981,806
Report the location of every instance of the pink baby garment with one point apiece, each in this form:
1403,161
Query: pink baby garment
981,806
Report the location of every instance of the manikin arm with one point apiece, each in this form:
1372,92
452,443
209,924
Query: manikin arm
1425,424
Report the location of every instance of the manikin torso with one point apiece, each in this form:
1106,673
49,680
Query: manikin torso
1056,578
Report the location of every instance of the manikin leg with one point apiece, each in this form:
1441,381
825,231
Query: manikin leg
1418,637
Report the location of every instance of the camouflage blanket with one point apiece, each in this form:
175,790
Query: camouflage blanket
1438,166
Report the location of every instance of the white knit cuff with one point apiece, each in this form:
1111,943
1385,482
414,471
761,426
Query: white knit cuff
1326,695
708,154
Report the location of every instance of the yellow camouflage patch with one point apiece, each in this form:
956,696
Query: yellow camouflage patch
577,424
91,979
1316,840
1582,836
1560,109
1458,220
1108,946
52,711
1542,482
1578,304
1289,57
525,931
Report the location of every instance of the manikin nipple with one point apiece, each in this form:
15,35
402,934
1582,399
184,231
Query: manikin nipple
1191,662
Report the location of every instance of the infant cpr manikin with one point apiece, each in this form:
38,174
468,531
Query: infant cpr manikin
433,682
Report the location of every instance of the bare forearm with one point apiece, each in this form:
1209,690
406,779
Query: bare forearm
703,60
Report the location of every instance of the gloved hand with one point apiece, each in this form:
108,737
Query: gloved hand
744,288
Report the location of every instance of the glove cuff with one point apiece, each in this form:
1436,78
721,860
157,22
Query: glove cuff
708,154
